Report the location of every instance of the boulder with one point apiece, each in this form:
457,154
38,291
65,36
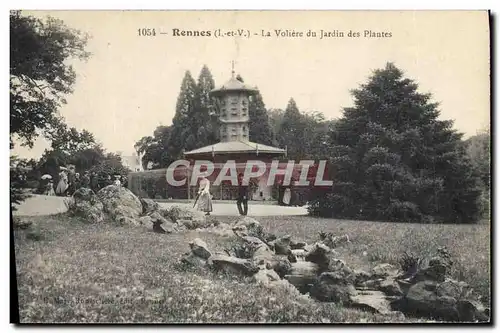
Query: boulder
149,206
248,225
390,287
233,265
436,270
472,311
146,221
282,245
21,223
121,204
190,259
297,245
281,266
88,205
422,300
158,218
384,270
372,301
319,255
361,276
199,248
266,276
181,214
262,255
333,287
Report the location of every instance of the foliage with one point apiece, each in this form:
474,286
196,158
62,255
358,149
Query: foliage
110,166
479,153
40,75
155,148
394,160
291,133
18,176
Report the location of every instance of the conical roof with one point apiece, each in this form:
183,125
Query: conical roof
233,85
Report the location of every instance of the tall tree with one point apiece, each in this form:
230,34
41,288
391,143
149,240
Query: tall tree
183,134
40,76
394,160
291,132
259,124
205,125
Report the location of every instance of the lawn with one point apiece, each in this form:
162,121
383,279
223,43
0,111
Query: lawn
103,273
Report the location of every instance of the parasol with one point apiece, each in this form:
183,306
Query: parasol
46,176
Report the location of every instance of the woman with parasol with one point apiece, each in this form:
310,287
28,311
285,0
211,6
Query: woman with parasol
204,197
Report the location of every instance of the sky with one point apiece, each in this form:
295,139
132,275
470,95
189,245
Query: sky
130,84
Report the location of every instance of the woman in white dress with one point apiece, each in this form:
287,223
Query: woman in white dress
62,186
205,198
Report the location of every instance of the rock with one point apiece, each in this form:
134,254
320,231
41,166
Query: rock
263,255
436,271
372,301
422,300
282,245
292,257
146,221
297,245
472,311
159,228
125,220
180,215
269,237
222,229
251,225
318,255
390,287
333,287
281,266
190,259
149,206
188,224
384,270
121,204
20,223
361,276
233,265
453,289
266,276
87,205
340,240
157,217
199,248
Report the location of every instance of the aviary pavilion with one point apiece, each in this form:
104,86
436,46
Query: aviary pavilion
232,101
232,106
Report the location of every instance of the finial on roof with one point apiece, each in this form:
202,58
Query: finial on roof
232,69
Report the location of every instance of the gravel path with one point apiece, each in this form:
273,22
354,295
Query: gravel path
45,205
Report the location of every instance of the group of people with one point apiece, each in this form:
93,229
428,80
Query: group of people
69,181
204,198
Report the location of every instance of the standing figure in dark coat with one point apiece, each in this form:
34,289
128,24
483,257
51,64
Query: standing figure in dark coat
242,196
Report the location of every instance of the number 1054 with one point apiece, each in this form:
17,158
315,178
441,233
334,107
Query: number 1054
146,32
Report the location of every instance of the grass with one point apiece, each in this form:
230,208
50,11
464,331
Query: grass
102,273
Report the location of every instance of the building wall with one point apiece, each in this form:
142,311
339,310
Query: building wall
234,117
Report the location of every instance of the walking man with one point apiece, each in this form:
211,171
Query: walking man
242,196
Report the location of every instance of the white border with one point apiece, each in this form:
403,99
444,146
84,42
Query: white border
213,5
